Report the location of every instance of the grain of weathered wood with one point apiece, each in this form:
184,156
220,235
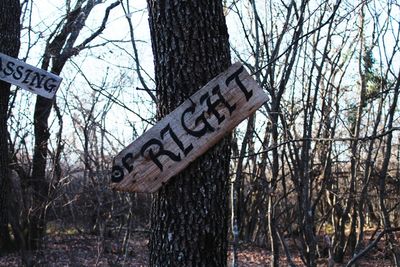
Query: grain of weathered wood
187,132
28,77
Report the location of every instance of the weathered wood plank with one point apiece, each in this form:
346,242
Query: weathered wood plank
187,132
28,77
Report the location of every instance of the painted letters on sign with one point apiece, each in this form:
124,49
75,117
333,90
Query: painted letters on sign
187,132
28,77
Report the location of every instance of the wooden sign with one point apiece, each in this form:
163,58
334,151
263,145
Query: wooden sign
187,132
28,77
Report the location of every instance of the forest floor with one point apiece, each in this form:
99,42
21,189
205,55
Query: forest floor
75,249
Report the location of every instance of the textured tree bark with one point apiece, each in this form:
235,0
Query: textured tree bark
9,44
189,215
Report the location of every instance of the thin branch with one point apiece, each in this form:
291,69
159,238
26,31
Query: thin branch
136,56
109,96
100,29
301,37
370,246
346,139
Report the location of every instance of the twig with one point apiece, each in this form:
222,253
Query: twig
285,248
370,246
346,139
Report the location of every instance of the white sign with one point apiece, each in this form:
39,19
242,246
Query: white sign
187,132
28,77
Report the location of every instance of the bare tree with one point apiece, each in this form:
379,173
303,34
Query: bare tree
9,44
59,49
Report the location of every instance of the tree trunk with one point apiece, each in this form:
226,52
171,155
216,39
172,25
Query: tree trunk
38,181
60,48
189,215
393,245
9,44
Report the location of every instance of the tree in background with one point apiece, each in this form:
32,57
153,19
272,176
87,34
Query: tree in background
60,48
9,44
323,165
29,228
190,213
